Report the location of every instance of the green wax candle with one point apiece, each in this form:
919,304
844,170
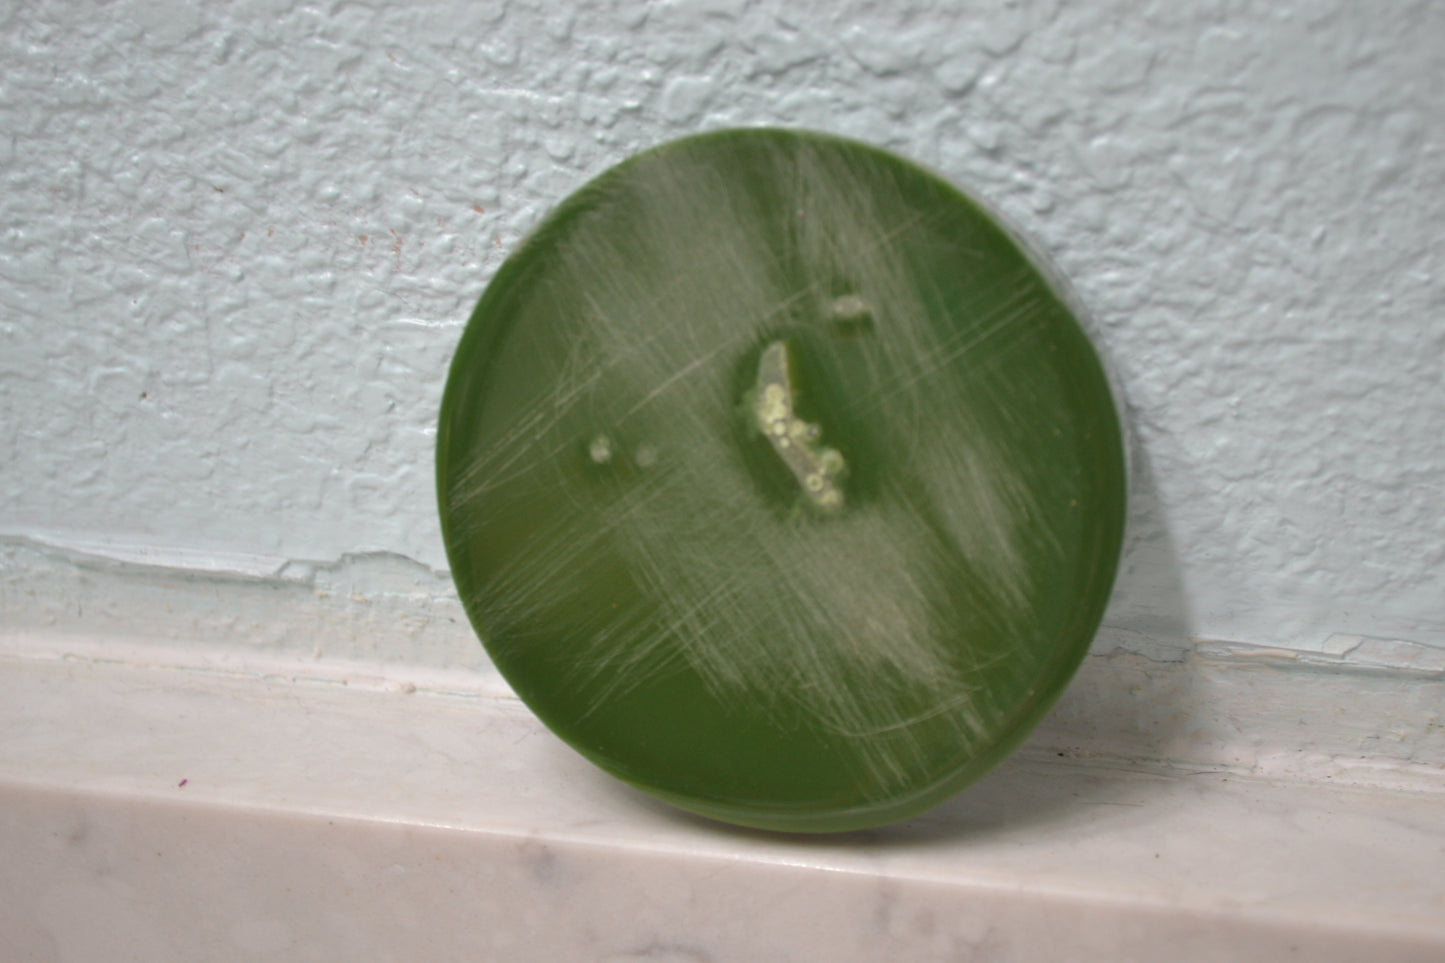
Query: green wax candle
780,481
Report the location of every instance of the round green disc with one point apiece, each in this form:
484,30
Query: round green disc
780,481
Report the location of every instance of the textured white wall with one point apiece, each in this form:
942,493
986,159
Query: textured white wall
238,242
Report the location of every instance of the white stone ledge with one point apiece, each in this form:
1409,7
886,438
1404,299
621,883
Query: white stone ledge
157,811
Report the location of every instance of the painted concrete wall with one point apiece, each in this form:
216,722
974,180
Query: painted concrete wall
238,243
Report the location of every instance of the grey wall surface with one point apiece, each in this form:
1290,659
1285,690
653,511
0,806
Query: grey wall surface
238,243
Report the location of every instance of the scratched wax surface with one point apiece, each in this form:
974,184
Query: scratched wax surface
649,570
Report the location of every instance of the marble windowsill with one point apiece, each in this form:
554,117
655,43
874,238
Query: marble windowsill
155,810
